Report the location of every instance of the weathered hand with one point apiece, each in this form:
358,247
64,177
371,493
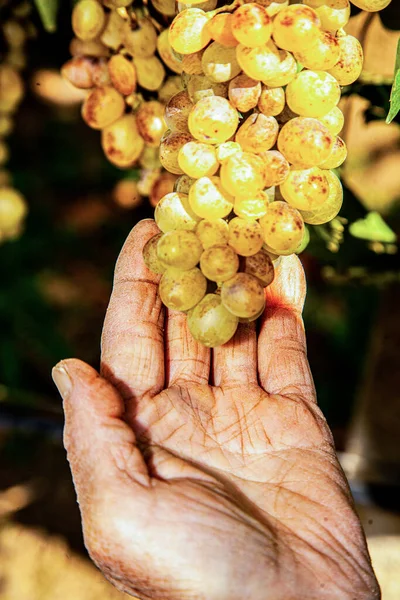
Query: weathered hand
196,491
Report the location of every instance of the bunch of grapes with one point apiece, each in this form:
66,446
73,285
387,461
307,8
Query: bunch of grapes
254,139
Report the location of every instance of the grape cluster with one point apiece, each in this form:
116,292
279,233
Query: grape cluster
254,138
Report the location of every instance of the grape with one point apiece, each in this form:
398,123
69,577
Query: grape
179,248
207,5
165,51
209,200
4,153
271,101
163,185
150,122
333,120
331,207
259,63
121,141
227,149
274,7
286,70
88,19
198,160
276,168
350,63
296,27
200,86
322,54
257,133
260,266
11,88
142,41
164,7
78,47
337,156
13,209
102,107
182,290
177,112
122,74
244,92
191,63
174,212
333,14
6,125
211,233
170,145
149,157
282,228
114,31
213,120
251,207
304,242
371,5
150,72
219,62
220,29
183,184
119,3
219,263
305,142
305,189
210,323
172,86
245,236
254,318
150,256
251,25
188,32
78,71
242,295
312,93
242,174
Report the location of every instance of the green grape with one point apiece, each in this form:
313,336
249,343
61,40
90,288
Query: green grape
191,63
219,62
182,290
243,295
173,212
140,42
183,184
371,5
271,101
304,242
296,27
227,149
121,141
151,123
213,120
286,70
337,156
244,92
180,248
322,54
242,174
220,29
219,263
312,93
122,74
208,198
251,207
258,133
172,85
259,63
305,189
254,318
166,53
200,86
150,72
251,25
305,142
245,236
212,233
113,33
331,207
88,19
188,32
170,145
282,228
349,66
210,323
177,112
333,14
276,167
102,107
260,266
150,256
198,160
333,120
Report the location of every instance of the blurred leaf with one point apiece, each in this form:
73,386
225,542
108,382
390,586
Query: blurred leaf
372,228
47,10
395,95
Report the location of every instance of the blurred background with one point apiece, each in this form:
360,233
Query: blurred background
55,280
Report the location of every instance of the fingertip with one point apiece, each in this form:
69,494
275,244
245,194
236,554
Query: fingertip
130,261
288,290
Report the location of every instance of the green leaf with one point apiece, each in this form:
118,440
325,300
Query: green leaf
373,228
395,94
47,10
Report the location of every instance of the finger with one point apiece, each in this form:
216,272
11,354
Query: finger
185,359
235,363
282,353
133,339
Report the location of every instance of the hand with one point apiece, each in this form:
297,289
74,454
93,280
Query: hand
210,492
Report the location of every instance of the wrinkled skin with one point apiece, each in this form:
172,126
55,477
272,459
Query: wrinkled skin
210,492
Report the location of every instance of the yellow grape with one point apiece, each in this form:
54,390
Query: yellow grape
259,63
209,200
271,101
170,145
177,112
191,63
165,51
88,19
212,233
350,63
182,290
337,156
285,72
244,92
150,72
371,5
331,207
122,142
198,160
276,167
251,207
333,14
219,263
188,32
245,236
305,189
258,133
333,120
11,88
6,125
119,3
113,33
274,7
282,228
312,93
79,71
102,106
251,25
78,47
164,7
150,122
305,142
260,266
220,29
142,41
322,54
179,248
150,256
213,120
200,86
174,212
149,157
219,62
123,74
13,209
242,174
207,5
243,295
296,27
183,184
227,149
171,86
210,323
164,184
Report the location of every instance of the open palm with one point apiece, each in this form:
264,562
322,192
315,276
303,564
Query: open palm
197,491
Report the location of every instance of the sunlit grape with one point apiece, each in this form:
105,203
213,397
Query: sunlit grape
220,29
141,41
200,86
150,72
276,168
304,242
150,256
210,323
174,212
150,122
337,156
333,120
296,27
165,7
181,290
180,248
211,233
242,295
244,92
245,236
102,106
213,120
242,174
305,142
188,32
165,51
333,14
169,150
371,5
219,262
350,63
123,74
274,6
282,228
251,25
260,266
322,54
183,184
177,112
271,101
286,70
259,63
251,207
209,200
258,133
79,72
331,206
198,160
88,19
312,93
122,142
227,149
305,189
219,62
